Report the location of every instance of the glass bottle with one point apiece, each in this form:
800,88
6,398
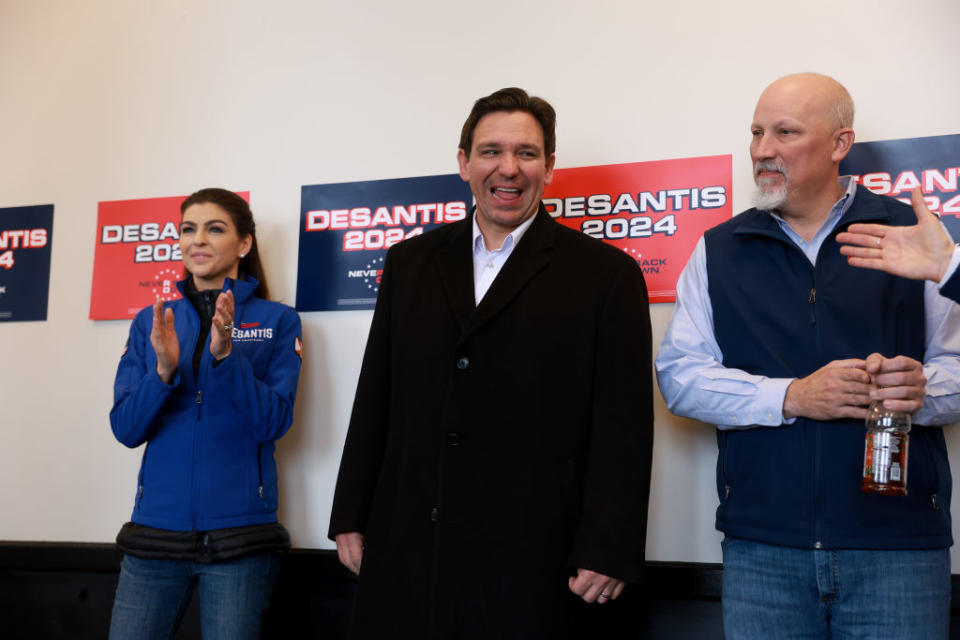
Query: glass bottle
885,451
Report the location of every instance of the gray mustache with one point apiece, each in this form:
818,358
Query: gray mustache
769,165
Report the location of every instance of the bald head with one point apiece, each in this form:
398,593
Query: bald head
821,93
801,131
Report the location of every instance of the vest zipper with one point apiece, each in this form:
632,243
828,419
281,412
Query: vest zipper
817,528
817,497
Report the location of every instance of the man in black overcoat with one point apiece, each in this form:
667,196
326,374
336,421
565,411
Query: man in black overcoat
496,470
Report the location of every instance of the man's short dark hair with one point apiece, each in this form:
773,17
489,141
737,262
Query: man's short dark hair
512,99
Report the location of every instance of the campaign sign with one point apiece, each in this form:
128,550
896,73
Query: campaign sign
26,235
346,229
895,167
137,255
654,211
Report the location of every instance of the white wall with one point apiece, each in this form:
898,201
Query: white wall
115,99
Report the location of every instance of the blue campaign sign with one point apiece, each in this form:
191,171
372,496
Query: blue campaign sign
346,229
26,235
895,167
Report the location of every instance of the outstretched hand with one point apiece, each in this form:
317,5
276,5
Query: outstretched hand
920,252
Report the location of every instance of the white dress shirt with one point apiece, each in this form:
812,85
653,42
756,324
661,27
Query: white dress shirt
487,264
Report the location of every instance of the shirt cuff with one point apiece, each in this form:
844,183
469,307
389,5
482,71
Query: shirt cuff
767,409
952,267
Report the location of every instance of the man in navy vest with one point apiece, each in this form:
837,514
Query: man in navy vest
782,344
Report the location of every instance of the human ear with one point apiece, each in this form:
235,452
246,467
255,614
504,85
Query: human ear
842,142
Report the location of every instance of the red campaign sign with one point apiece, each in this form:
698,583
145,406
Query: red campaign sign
137,255
654,211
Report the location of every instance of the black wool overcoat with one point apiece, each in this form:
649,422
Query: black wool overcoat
494,448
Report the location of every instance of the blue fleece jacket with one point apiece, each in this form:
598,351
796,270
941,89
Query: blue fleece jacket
208,463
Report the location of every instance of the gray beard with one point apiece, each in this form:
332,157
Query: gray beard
770,199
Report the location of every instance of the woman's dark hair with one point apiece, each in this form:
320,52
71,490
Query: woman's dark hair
512,99
242,218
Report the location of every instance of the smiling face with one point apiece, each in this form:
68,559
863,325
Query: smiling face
210,245
507,169
797,141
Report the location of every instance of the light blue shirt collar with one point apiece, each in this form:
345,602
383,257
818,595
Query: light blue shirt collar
812,248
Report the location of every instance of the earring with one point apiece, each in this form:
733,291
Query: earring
242,256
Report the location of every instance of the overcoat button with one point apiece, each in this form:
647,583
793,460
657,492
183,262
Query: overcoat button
434,515
453,439
463,362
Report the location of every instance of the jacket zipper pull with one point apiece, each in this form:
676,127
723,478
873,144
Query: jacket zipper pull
813,300
199,398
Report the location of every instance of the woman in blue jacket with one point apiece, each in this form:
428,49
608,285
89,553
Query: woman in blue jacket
208,383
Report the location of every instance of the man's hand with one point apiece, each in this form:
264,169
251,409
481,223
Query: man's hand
899,382
920,252
839,389
350,550
594,587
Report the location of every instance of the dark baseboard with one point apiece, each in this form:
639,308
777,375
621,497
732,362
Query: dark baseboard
65,590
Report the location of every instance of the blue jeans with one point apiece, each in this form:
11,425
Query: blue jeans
782,592
153,594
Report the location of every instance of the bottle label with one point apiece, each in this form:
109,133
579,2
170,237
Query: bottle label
885,462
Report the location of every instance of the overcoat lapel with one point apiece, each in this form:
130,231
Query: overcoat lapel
530,255
455,262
